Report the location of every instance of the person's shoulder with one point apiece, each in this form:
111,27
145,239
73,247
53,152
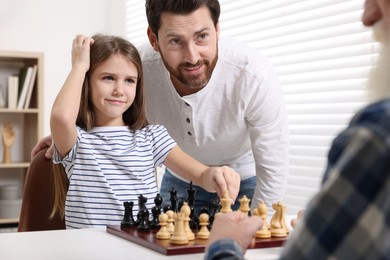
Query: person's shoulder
378,112
241,54
152,129
147,53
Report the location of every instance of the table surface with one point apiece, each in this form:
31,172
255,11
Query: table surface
93,243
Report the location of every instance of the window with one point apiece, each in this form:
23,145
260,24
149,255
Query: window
322,54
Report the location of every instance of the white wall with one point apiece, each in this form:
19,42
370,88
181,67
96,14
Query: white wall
49,26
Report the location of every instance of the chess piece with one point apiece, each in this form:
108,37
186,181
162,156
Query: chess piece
185,209
163,232
277,229
284,222
156,211
214,209
143,214
173,199
226,203
244,205
8,138
128,219
204,232
261,211
194,220
171,216
179,236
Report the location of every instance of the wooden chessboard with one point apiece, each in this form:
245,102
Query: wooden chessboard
147,239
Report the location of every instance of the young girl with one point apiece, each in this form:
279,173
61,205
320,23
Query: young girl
103,141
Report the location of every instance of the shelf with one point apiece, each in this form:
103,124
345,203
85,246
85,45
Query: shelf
9,221
27,122
21,111
14,165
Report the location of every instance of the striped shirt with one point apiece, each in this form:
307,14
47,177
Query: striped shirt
110,165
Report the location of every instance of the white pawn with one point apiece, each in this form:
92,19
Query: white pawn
163,232
171,219
204,232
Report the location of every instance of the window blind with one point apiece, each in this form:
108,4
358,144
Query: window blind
322,54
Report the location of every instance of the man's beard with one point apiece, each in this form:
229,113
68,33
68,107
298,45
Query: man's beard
379,77
196,81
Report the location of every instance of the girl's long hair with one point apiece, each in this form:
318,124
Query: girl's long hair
135,117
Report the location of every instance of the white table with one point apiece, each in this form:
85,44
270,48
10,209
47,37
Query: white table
90,244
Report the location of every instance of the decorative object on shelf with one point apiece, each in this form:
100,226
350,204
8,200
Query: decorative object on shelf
8,137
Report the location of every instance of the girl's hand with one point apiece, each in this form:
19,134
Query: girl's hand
221,179
81,52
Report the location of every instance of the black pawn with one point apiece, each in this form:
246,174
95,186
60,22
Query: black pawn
128,219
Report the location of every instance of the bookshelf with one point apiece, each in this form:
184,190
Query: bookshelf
27,123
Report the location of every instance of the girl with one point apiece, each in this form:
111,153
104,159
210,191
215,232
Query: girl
103,141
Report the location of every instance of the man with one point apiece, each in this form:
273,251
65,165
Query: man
219,99
350,216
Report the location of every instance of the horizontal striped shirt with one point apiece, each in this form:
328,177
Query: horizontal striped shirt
108,166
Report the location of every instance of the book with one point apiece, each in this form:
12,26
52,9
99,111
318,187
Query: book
31,87
13,86
26,83
22,77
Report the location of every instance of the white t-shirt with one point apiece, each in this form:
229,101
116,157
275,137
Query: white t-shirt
110,165
238,119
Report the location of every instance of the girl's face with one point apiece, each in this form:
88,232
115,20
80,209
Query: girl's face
112,87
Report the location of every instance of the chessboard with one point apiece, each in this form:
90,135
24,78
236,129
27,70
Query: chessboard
147,239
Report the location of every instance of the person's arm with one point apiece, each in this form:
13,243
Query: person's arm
212,179
231,235
266,118
66,105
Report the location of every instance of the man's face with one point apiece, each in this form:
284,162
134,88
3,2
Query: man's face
188,47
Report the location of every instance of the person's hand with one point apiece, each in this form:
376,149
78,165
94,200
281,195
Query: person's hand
237,226
295,221
81,52
42,144
223,179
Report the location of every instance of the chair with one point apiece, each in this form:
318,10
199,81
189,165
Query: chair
38,197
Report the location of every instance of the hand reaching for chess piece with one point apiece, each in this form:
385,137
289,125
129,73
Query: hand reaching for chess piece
8,138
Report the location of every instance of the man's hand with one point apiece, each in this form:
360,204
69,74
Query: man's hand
236,226
295,221
42,144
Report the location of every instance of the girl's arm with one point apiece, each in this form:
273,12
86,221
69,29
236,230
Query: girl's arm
66,105
212,179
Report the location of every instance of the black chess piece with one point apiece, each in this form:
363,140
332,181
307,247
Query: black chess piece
156,211
173,199
194,220
143,214
214,208
128,219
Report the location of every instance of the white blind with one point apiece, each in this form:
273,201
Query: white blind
322,54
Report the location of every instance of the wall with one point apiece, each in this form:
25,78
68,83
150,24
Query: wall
49,26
